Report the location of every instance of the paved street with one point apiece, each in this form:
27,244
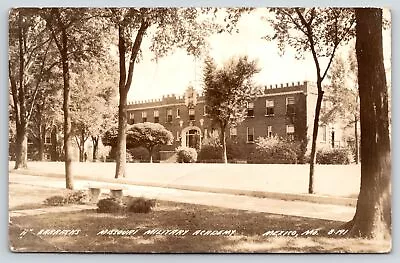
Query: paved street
275,206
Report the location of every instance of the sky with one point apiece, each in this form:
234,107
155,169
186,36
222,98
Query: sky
174,73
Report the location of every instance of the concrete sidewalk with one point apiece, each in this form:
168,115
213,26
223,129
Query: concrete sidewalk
268,205
283,182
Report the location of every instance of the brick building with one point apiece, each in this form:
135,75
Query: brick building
285,110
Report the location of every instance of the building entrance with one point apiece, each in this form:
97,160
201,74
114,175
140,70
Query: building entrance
191,137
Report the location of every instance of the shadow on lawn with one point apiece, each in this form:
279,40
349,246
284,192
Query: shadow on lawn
249,227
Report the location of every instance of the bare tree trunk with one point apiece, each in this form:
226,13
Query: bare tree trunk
373,213
42,139
53,149
125,81
67,119
21,154
314,138
223,141
356,139
122,125
21,148
151,155
95,142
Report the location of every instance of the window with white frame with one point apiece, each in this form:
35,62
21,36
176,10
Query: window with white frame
169,115
191,114
156,114
144,116
290,106
47,139
233,132
269,131
290,131
269,107
250,109
250,135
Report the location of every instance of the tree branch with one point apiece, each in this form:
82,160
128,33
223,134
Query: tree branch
135,49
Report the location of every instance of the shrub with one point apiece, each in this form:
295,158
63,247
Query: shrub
76,197
141,205
210,152
110,205
334,156
274,150
139,153
56,200
186,155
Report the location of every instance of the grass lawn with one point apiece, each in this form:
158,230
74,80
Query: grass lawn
22,197
249,227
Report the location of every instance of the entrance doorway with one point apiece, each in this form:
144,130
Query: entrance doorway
191,137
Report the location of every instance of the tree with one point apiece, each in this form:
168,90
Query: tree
227,92
320,31
92,102
343,96
148,135
76,37
29,45
373,213
168,28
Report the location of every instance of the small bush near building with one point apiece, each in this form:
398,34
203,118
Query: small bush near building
274,150
140,205
334,156
210,153
110,205
186,155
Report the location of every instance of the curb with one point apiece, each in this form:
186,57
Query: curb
312,198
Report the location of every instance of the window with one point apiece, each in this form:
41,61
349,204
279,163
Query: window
250,109
250,135
144,116
290,106
169,115
269,105
47,140
205,110
191,114
269,131
131,118
156,116
290,131
233,132
178,113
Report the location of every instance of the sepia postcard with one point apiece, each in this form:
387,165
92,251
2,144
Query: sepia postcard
200,130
